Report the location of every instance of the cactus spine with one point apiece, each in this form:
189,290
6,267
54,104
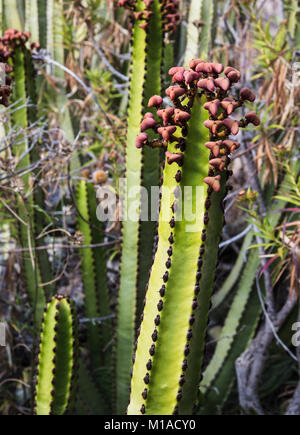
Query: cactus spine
165,379
149,25
57,359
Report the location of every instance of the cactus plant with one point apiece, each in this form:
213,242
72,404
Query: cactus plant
165,379
31,201
150,20
57,358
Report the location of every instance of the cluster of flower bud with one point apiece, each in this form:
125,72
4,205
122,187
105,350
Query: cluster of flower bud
201,78
128,4
171,17
8,43
13,38
170,14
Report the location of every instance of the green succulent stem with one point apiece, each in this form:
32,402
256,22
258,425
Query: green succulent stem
93,270
57,359
137,237
25,202
179,291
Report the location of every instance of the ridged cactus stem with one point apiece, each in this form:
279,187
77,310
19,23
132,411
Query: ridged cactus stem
32,219
57,359
93,269
151,19
169,349
32,19
20,65
12,15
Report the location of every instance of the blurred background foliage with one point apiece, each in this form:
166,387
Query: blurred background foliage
82,95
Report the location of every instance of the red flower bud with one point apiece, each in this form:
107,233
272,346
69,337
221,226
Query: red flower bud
148,115
143,26
217,68
178,77
213,126
229,104
204,67
138,15
234,76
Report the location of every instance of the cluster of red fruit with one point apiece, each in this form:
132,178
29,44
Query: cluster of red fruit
8,43
169,13
187,82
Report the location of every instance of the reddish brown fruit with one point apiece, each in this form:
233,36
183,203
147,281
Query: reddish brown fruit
148,123
166,114
175,69
207,84
253,118
231,125
155,101
181,116
222,83
213,126
175,92
194,62
167,132
213,182
172,157
219,163
212,107
141,140
247,95
231,145
214,147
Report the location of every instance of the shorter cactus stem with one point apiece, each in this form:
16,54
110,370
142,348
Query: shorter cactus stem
57,358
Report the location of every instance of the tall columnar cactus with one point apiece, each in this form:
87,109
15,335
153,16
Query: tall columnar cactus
151,19
194,134
200,29
57,358
93,270
31,221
